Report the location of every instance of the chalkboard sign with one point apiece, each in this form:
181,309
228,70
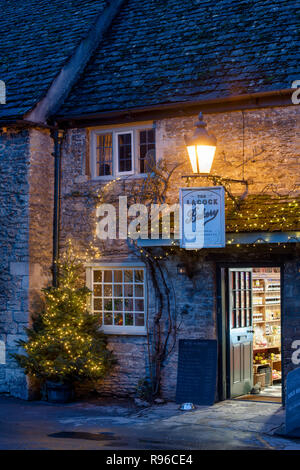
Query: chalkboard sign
292,409
197,371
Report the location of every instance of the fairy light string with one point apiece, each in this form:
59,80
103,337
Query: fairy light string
256,213
65,342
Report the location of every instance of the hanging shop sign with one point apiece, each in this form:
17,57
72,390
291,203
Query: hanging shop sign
202,217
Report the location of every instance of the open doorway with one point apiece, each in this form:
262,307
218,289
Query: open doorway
267,331
254,333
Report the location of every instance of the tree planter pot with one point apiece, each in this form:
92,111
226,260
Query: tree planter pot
59,392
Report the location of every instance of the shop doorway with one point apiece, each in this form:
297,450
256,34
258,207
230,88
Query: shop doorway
240,331
251,303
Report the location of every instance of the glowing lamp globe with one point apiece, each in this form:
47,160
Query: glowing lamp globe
201,148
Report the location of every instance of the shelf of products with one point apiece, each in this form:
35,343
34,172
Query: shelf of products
266,324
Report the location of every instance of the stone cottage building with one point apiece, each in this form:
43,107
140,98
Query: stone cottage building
95,87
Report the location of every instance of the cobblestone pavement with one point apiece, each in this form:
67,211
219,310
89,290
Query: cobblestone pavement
107,424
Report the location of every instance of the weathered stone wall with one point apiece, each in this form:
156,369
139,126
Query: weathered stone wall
261,146
41,193
14,269
195,309
193,305
26,189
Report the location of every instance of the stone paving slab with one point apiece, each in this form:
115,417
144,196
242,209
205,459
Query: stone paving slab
253,417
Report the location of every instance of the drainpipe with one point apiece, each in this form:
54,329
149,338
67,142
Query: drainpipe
57,136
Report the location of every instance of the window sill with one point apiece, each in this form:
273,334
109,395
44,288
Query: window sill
105,179
125,331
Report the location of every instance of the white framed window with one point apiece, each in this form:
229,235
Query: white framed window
119,297
122,151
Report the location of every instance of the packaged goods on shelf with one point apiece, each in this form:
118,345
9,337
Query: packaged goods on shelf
266,325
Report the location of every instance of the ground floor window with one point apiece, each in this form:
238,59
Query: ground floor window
118,295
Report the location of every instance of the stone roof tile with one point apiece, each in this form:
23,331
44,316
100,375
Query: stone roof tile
37,37
164,52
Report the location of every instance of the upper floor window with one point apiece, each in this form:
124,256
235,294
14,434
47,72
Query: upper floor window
122,151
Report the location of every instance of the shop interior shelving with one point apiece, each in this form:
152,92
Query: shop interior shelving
267,320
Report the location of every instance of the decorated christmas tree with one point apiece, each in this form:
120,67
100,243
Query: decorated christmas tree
64,342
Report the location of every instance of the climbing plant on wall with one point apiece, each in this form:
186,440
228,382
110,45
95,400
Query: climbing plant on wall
163,327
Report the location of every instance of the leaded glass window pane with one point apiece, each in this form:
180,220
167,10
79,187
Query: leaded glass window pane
104,163
147,150
125,152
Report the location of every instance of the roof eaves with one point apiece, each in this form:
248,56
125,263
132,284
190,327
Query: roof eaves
260,99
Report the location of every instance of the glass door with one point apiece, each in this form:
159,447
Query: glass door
241,331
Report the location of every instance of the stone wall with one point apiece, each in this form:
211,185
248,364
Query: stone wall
26,189
193,306
195,309
261,146
41,193
14,269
